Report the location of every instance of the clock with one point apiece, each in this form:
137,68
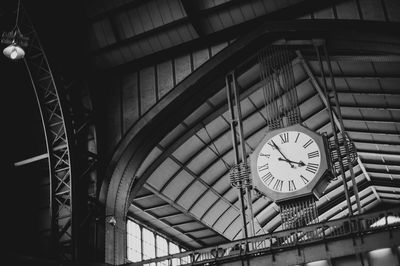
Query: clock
289,163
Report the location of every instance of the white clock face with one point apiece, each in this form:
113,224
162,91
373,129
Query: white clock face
288,161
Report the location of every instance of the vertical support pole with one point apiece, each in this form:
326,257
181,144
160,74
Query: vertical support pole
344,133
334,131
243,153
233,122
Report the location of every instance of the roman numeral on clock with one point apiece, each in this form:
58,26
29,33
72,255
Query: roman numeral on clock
291,185
313,154
305,180
308,143
297,137
312,167
263,167
267,178
284,137
265,155
278,185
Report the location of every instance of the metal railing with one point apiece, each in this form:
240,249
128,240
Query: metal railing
264,244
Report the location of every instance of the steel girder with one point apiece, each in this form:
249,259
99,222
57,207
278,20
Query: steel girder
69,129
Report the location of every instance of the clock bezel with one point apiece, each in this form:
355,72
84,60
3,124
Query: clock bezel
315,186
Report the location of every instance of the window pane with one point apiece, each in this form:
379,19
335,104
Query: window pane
149,248
134,241
162,246
173,249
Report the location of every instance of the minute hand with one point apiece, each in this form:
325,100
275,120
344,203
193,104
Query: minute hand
290,161
286,159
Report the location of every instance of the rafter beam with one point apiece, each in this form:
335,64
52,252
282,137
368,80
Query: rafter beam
324,100
167,225
176,205
31,160
193,15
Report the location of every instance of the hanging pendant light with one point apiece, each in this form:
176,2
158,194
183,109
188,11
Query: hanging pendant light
15,41
14,51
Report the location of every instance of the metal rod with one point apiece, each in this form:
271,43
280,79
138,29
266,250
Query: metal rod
334,131
243,148
235,150
344,134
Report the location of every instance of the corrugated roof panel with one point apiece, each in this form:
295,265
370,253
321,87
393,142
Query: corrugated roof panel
257,137
258,8
163,211
253,122
204,204
146,47
223,183
215,212
359,136
163,9
347,10
126,53
191,195
144,16
193,225
226,19
149,159
103,32
178,218
176,9
202,159
163,173
184,33
385,148
198,114
231,195
213,172
135,21
311,106
215,22
225,220
200,234
173,135
94,43
174,37
247,11
213,240
165,39
237,15
177,185
155,43
126,29
155,13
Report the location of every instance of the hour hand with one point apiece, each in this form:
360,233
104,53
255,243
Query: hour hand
300,163
285,159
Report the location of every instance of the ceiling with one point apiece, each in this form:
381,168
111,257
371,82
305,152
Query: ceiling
185,191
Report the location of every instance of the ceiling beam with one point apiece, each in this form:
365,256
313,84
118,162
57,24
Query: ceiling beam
359,58
177,206
194,17
288,13
165,224
323,97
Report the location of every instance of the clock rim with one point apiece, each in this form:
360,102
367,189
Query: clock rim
307,189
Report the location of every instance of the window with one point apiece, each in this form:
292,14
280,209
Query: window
149,245
143,244
134,242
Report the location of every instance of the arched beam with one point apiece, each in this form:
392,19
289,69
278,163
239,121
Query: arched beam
120,181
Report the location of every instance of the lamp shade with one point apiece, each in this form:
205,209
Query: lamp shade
14,52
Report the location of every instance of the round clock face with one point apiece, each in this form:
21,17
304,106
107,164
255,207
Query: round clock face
288,161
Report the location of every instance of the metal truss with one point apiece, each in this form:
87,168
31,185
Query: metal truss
69,132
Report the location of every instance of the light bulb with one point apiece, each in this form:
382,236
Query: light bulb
14,54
